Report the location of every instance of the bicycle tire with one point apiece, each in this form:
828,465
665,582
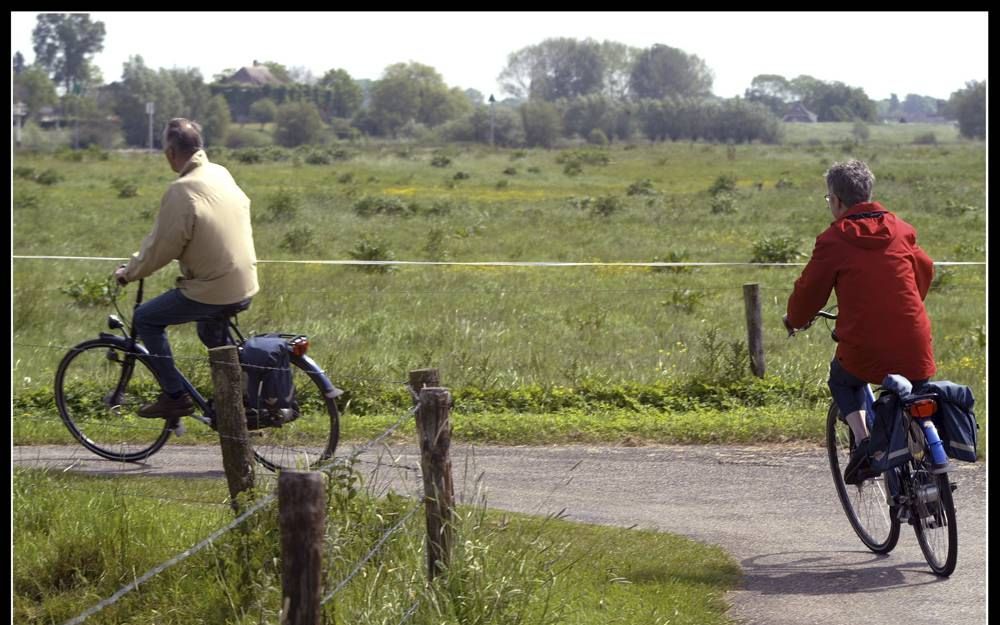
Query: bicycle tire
99,387
934,521
310,440
866,504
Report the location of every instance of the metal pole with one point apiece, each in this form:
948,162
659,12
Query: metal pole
492,117
149,110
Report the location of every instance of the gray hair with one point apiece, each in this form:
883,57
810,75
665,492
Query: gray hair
851,181
183,135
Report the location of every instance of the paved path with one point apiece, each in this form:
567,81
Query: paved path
773,509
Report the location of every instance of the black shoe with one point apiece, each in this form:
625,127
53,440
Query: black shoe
167,408
858,468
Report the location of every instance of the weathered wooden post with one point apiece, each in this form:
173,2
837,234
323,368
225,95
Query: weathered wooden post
231,422
302,516
434,432
755,328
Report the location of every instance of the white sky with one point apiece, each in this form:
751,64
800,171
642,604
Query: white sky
927,53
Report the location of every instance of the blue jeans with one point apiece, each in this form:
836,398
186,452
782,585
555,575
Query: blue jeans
172,308
848,390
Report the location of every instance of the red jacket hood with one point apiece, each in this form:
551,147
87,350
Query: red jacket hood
867,225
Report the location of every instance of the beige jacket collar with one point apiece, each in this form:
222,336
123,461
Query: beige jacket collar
197,159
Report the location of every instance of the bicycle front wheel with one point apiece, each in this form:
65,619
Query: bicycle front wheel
311,439
866,504
99,389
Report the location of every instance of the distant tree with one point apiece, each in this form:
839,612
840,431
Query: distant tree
919,105
618,61
771,90
833,101
297,123
278,70
474,97
556,68
263,111
194,92
18,63
412,92
968,106
837,102
140,85
347,94
583,115
542,123
215,121
33,87
302,75
63,44
662,71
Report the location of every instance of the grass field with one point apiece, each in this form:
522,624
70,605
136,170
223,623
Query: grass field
518,335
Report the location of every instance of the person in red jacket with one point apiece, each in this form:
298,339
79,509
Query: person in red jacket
870,257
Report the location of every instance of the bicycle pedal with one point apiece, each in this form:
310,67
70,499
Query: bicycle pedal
178,429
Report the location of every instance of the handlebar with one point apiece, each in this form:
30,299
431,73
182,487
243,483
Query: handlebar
821,314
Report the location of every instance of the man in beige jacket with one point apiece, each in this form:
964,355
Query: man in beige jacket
204,223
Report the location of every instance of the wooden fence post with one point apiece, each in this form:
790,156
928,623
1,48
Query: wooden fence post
434,431
230,419
755,329
420,378
302,516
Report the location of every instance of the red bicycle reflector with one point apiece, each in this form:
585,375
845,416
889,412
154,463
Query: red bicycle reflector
299,345
921,409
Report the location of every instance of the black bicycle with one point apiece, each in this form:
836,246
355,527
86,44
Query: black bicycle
914,492
101,384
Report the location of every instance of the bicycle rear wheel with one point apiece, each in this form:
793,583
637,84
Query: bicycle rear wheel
932,511
867,504
99,388
311,439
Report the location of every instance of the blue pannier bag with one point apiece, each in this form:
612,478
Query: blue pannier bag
955,420
270,392
887,445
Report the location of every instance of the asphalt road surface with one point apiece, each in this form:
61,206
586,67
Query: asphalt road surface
774,509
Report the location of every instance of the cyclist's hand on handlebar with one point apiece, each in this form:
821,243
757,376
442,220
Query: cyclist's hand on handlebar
791,330
120,276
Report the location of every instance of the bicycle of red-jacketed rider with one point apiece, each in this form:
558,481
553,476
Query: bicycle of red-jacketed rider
917,491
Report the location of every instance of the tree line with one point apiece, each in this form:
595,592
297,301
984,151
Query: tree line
561,87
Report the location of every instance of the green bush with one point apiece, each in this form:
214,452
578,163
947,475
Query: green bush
370,205
247,138
724,183
607,205
298,239
371,249
49,177
125,188
87,291
283,205
723,203
776,249
597,137
440,160
641,187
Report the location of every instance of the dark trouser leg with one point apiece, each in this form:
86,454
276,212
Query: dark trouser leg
151,320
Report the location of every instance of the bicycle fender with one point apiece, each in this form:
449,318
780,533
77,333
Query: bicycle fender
315,372
127,345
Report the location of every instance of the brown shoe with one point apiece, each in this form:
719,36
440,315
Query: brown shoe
167,408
